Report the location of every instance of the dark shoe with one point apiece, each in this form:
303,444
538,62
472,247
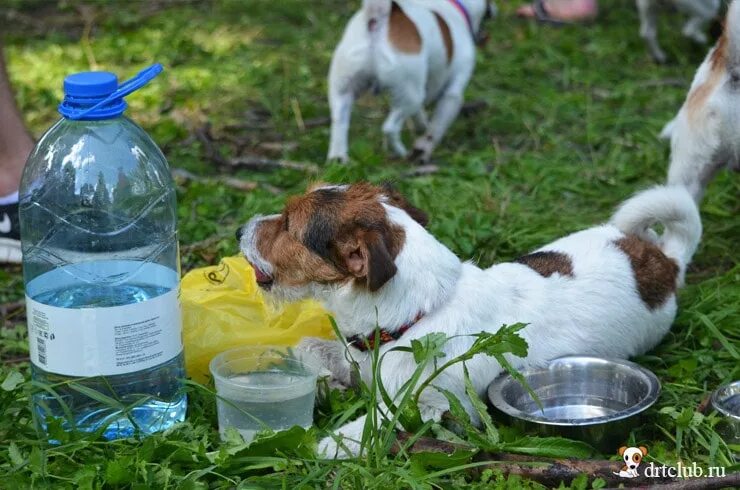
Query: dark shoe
10,234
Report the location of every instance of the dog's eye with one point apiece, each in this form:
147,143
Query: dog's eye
626,458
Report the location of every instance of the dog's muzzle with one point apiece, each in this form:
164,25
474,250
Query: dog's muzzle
247,238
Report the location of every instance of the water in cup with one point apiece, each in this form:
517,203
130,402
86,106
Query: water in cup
263,389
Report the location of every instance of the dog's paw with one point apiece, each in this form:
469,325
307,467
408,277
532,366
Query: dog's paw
658,56
422,151
337,158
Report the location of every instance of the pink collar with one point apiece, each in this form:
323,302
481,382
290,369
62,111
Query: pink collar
464,11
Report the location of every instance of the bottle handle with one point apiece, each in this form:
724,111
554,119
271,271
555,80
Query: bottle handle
124,89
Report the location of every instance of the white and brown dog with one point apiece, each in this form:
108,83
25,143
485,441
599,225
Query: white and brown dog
363,251
704,133
632,457
701,13
420,51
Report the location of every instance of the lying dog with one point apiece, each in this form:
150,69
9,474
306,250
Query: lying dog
701,13
420,51
363,251
704,133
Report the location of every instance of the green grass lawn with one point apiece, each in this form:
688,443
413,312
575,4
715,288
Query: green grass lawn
563,129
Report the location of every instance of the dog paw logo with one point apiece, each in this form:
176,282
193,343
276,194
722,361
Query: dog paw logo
632,457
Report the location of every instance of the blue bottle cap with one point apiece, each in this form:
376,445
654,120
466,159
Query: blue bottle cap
96,95
90,84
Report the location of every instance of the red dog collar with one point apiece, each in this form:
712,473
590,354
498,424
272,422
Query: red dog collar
382,336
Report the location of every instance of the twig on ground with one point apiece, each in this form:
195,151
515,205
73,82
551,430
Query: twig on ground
250,162
551,472
254,162
16,360
181,175
12,313
422,170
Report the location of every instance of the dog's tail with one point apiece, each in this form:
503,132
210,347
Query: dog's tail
376,13
673,208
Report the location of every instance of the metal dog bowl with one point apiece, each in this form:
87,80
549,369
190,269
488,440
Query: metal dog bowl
591,399
726,401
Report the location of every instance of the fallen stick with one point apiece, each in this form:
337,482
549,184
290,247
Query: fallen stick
250,162
729,481
551,472
258,163
182,175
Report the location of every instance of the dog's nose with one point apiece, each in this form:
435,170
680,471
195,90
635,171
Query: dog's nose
632,466
239,233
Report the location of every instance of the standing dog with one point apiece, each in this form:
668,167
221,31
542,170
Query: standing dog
363,251
701,13
704,133
420,51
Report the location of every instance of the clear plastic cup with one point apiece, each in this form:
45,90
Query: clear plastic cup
264,388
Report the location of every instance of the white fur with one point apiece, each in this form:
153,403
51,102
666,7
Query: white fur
704,138
598,311
700,12
365,59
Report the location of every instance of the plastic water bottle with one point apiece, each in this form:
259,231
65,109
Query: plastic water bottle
101,267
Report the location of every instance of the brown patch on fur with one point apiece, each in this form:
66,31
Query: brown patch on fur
697,98
402,33
333,235
654,272
548,263
396,199
444,29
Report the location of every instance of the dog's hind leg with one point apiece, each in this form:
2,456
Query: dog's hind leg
694,29
446,110
649,30
406,102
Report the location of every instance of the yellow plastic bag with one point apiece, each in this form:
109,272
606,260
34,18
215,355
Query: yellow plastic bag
223,307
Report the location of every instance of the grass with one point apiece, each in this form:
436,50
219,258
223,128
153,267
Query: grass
568,130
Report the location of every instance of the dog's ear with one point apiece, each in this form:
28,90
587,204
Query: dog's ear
643,450
396,199
323,223
367,257
622,450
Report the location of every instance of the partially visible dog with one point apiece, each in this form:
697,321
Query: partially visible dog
704,133
701,13
420,51
363,251
632,457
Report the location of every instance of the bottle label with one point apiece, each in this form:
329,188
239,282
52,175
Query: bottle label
104,341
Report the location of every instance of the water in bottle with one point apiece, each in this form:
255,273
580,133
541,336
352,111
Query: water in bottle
101,267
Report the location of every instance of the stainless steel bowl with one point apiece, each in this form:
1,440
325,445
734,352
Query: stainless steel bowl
726,401
587,398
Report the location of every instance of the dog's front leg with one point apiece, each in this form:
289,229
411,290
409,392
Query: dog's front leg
333,357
